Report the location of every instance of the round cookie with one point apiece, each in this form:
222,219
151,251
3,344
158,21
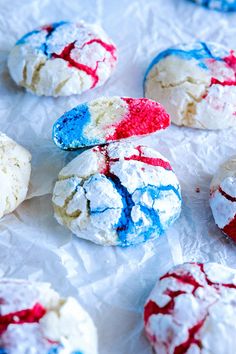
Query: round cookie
15,169
223,197
35,319
63,58
108,119
196,84
192,309
221,5
119,194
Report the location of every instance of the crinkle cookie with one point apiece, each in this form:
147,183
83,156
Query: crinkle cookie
62,58
108,119
223,197
196,84
192,310
221,5
35,319
119,194
15,169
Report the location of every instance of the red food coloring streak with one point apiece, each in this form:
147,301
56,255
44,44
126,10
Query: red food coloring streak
226,195
48,28
182,348
66,55
145,159
230,229
144,117
230,60
152,308
109,47
23,316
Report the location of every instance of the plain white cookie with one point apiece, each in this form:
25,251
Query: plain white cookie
35,319
15,169
196,84
62,59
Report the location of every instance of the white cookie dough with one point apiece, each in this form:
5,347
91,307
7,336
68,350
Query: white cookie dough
196,84
62,59
35,319
15,169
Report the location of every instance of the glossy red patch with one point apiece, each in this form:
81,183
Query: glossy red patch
144,117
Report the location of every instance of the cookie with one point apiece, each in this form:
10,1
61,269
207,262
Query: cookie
119,194
15,169
221,5
223,197
63,58
108,119
196,84
192,309
35,319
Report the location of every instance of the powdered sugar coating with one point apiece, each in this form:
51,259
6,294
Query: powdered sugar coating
119,194
34,319
223,197
15,169
62,59
196,84
221,5
192,310
108,119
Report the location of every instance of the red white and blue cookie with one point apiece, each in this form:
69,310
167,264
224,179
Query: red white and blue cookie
118,194
62,59
223,197
35,319
192,310
108,119
196,83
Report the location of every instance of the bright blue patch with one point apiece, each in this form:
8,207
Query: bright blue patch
3,351
198,54
44,46
68,131
129,232
221,5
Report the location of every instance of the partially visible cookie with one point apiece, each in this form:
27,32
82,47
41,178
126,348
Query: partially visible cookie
108,119
35,319
63,58
223,197
119,194
15,169
221,5
192,310
196,84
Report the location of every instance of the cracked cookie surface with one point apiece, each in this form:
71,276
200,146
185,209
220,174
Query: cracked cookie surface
15,169
192,310
62,59
223,197
196,83
35,319
119,194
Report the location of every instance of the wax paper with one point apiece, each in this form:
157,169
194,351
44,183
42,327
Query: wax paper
111,283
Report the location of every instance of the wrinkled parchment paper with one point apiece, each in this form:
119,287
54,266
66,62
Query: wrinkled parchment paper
111,283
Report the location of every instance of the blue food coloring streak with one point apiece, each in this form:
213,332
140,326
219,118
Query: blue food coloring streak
57,350
68,129
3,351
221,5
44,46
133,233
198,54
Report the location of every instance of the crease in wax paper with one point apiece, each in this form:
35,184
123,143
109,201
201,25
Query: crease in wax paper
111,283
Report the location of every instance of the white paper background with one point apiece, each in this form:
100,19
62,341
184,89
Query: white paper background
112,283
